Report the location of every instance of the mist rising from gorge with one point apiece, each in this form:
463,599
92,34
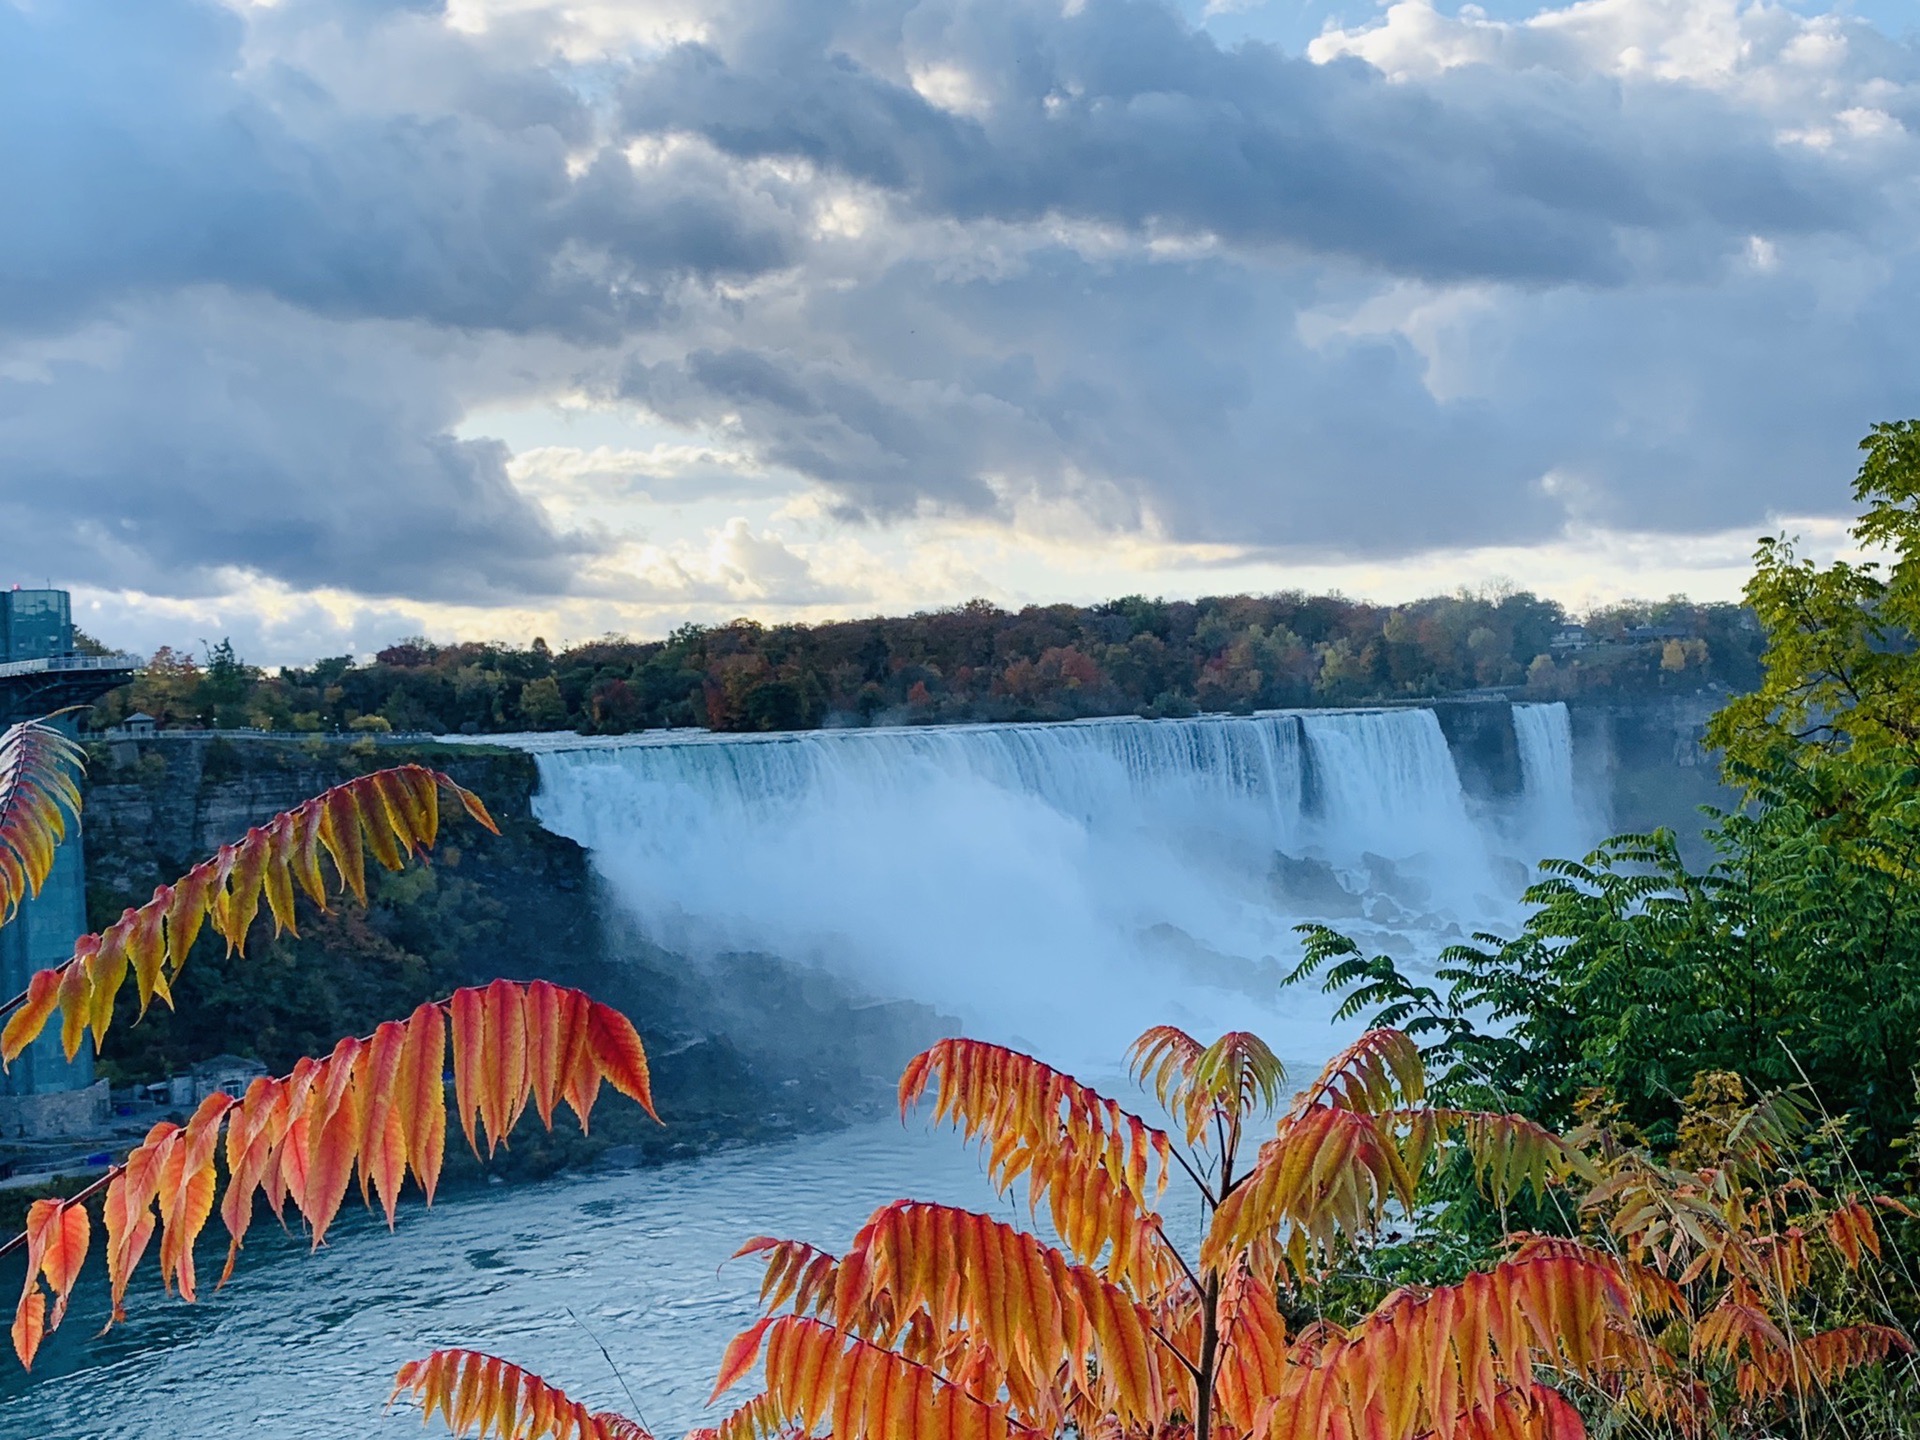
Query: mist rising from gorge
1064,886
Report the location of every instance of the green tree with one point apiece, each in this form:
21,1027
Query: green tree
1841,672
541,705
1795,952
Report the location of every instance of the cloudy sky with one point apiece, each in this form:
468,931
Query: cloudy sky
327,321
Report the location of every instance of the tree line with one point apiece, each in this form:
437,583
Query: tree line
975,662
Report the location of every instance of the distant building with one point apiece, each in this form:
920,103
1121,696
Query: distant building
138,726
1570,637
223,1075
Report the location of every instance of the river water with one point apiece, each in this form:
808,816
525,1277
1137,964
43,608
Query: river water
303,1346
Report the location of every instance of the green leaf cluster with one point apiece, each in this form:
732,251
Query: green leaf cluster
1793,955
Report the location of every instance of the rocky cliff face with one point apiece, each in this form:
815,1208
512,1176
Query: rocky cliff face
1648,760
1642,760
760,1049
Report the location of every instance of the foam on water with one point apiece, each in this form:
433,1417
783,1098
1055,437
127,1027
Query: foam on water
1063,885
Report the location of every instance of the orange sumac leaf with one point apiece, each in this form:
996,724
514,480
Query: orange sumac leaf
617,1052
1020,1301
503,1059
377,1106
1025,1112
421,1101
552,1017
817,1375
739,1357
57,1237
129,1209
383,1143
485,1396
225,894
29,1326
1445,1362
1852,1232
1331,1171
332,1135
468,1010
43,994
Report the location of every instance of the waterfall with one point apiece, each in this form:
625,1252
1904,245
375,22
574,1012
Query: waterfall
1387,778
1556,822
1058,884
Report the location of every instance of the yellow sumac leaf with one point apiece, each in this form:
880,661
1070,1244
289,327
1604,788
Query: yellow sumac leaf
398,808
375,823
43,995
147,947
552,1016
74,1008
188,903
38,797
246,863
277,877
340,833
106,971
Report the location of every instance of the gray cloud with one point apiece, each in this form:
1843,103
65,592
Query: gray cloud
251,261
1190,389
145,154
208,433
1120,113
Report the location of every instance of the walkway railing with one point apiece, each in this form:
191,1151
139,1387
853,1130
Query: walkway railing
69,664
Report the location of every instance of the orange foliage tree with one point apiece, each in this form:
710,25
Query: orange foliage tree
937,1321
1767,1286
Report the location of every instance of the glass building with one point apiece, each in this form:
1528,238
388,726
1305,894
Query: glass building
35,624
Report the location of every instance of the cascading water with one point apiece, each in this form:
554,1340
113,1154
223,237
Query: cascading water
1557,823
1064,884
